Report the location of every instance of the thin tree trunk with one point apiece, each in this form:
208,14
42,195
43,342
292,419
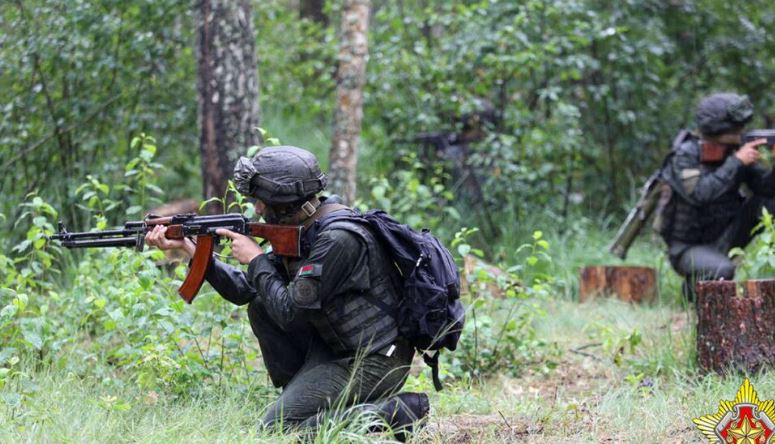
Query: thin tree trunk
228,89
350,78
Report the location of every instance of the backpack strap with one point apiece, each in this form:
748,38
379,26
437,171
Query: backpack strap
323,211
682,136
433,362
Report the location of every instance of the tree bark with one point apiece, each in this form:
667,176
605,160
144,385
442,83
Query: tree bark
350,78
629,284
735,331
313,10
228,89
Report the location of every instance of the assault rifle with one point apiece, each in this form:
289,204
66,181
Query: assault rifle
768,134
637,217
716,152
648,201
285,239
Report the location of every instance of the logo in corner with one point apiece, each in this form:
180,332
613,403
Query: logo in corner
746,420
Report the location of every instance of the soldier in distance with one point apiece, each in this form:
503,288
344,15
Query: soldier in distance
716,201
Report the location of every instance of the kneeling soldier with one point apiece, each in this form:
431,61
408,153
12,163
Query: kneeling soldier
710,212
321,321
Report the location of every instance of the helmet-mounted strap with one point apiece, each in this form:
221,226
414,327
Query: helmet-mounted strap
300,187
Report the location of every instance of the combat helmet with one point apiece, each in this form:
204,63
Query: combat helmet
279,175
723,113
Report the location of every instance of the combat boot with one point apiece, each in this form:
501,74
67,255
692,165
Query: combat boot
404,413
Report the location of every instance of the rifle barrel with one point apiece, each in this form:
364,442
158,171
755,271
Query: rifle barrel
93,234
110,242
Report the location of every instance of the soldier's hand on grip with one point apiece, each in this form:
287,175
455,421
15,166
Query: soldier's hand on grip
748,154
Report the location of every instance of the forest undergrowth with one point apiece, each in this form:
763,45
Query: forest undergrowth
98,347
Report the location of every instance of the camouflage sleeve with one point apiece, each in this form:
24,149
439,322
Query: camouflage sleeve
760,180
701,185
337,262
230,282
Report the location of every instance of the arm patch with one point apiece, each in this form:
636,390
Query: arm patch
310,270
304,293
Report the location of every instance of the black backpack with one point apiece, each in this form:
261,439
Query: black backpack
430,314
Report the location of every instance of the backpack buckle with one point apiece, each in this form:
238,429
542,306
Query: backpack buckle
308,209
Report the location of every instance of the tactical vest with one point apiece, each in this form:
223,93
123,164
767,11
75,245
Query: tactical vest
698,224
361,320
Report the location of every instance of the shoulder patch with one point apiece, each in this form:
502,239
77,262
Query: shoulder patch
305,293
310,270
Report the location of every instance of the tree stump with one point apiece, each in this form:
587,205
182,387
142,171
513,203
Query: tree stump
735,329
629,284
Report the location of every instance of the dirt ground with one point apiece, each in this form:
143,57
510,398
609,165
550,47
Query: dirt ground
574,388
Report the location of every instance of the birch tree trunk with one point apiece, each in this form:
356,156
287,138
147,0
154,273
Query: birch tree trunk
350,79
228,88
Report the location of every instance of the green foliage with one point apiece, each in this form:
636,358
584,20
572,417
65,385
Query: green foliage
141,176
578,90
500,335
112,312
80,81
757,260
576,87
615,343
414,195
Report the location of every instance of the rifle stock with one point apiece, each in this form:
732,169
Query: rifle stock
285,239
636,218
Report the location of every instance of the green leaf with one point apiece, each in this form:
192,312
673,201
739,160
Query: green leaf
134,209
12,400
8,311
33,338
252,150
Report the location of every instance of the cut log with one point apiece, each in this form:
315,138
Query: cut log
735,329
629,284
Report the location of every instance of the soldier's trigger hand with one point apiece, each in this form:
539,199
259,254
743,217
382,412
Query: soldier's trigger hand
748,153
243,248
755,143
